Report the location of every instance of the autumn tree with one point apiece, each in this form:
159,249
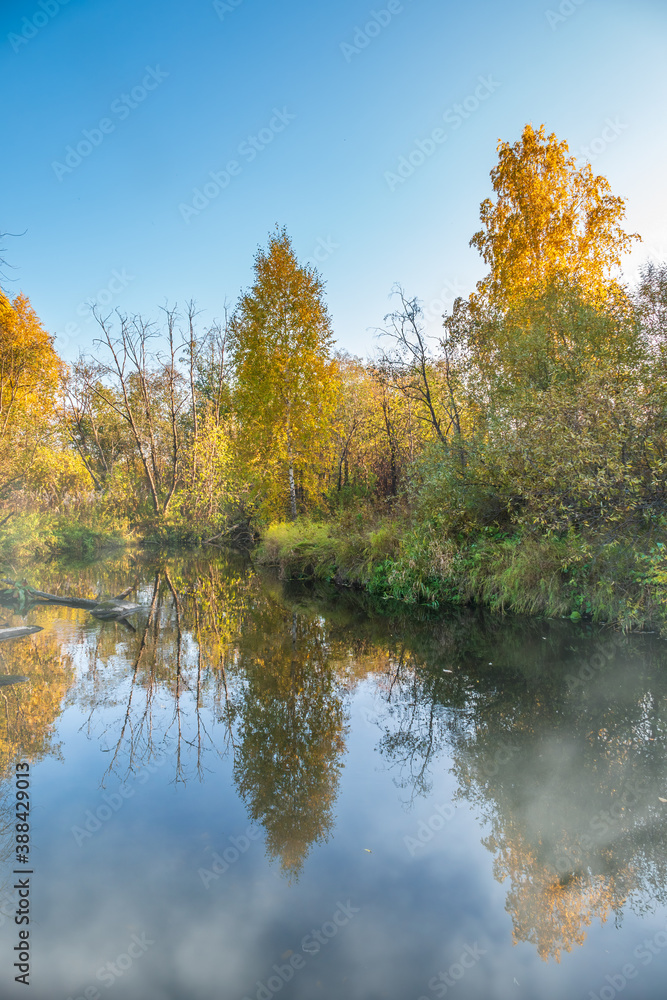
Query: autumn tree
551,306
552,357
376,433
552,223
284,375
430,383
29,380
147,391
291,733
92,424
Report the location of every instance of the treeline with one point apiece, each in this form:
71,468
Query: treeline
539,411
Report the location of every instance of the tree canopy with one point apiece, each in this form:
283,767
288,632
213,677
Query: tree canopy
284,373
30,370
553,222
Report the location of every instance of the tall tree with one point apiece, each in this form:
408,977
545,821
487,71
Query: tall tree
552,222
147,392
284,372
29,378
551,308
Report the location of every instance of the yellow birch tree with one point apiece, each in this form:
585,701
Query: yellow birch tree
285,376
552,223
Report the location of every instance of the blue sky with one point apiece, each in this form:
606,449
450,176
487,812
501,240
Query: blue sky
117,112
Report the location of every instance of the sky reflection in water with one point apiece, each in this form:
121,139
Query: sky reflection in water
260,790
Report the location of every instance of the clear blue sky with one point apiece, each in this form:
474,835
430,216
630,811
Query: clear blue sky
314,114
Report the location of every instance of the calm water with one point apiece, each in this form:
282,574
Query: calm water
259,791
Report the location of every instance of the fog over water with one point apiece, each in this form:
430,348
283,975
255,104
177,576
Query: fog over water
252,789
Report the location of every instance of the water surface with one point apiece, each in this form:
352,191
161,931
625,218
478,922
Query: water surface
257,790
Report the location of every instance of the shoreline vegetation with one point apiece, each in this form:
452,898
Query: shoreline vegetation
517,459
524,573
617,585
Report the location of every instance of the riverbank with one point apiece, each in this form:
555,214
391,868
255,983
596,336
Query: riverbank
622,582
619,582
28,537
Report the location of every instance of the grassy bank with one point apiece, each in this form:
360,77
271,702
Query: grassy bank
618,581
621,581
29,537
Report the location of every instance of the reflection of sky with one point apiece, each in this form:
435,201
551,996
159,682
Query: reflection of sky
417,911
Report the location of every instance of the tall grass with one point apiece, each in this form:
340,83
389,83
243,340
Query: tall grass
525,572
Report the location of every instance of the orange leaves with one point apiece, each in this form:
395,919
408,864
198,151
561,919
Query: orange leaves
552,221
29,366
29,376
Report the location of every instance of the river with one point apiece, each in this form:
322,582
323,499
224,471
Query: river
252,789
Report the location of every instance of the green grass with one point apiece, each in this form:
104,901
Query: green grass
31,537
526,573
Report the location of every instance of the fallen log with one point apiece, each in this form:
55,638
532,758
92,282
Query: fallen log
114,608
14,633
41,597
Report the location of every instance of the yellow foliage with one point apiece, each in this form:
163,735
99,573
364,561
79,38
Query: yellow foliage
29,366
552,222
285,377
29,378
57,472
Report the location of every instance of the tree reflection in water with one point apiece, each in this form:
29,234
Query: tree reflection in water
291,733
566,778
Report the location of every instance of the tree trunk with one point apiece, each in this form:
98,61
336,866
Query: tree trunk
292,488
290,460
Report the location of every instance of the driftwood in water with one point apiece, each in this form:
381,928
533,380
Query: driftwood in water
41,597
14,633
114,608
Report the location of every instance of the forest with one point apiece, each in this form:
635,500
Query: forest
518,460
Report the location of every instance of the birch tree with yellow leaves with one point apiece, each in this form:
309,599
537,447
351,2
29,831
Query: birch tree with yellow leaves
285,377
553,355
553,222
551,303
